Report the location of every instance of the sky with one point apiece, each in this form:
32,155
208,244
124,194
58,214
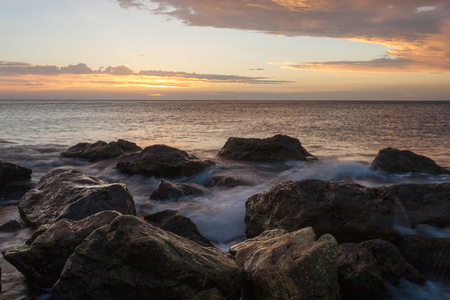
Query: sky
225,50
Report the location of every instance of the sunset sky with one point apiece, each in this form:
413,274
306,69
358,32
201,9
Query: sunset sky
236,49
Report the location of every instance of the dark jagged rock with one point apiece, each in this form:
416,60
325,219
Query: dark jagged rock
429,255
71,194
226,181
10,226
366,270
277,148
100,150
135,260
167,190
392,160
294,265
161,161
14,180
159,218
44,255
348,211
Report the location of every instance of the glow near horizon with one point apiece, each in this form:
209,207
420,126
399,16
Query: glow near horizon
237,63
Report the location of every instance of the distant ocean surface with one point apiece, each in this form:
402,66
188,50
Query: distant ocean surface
345,136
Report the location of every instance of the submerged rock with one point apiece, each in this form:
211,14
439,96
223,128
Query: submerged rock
71,194
367,270
167,190
226,181
44,255
100,150
14,180
277,148
10,226
429,255
392,160
348,211
134,260
293,265
162,161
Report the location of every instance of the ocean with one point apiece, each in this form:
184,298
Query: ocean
345,135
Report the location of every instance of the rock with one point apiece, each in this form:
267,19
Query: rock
211,294
167,190
392,160
161,161
0,279
13,179
128,146
277,148
94,152
429,255
71,194
348,211
159,218
44,255
134,260
294,265
366,270
226,181
10,226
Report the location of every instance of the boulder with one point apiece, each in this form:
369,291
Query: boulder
392,160
226,181
429,255
348,211
100,150
44,255
71,194
367,270
14,179
128,146
131,259
161,161
294,265
167,190
159,218
277,148
10,226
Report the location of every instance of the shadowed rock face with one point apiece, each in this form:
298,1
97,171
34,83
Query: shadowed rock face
44,255
132,259
294,265
71,194
366,270
161,161
167,190
392,160
100,150
14,179
348,211
277,148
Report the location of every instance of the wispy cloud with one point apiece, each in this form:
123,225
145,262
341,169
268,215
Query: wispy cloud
416,31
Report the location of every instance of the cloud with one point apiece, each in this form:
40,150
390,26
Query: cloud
414,30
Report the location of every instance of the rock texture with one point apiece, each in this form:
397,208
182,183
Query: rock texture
392,160
277,148
131,259
294,265
71,194
167,190
44,255
14,180
431,256
162,161
100,150
348,211
368,269
226,181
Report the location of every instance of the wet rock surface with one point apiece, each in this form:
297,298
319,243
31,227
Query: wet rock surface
167,190
71,194
14,180
100,150
277,148
132,259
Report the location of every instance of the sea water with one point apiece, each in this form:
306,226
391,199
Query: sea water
344,135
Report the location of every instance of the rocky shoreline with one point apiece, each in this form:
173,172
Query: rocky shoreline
306,239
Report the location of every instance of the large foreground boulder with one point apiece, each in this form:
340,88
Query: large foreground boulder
100,150
71,194
167,190
162,161
348,211
131,259
14,180
392,160
367,270
294,265
44,255
429,255
277,148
